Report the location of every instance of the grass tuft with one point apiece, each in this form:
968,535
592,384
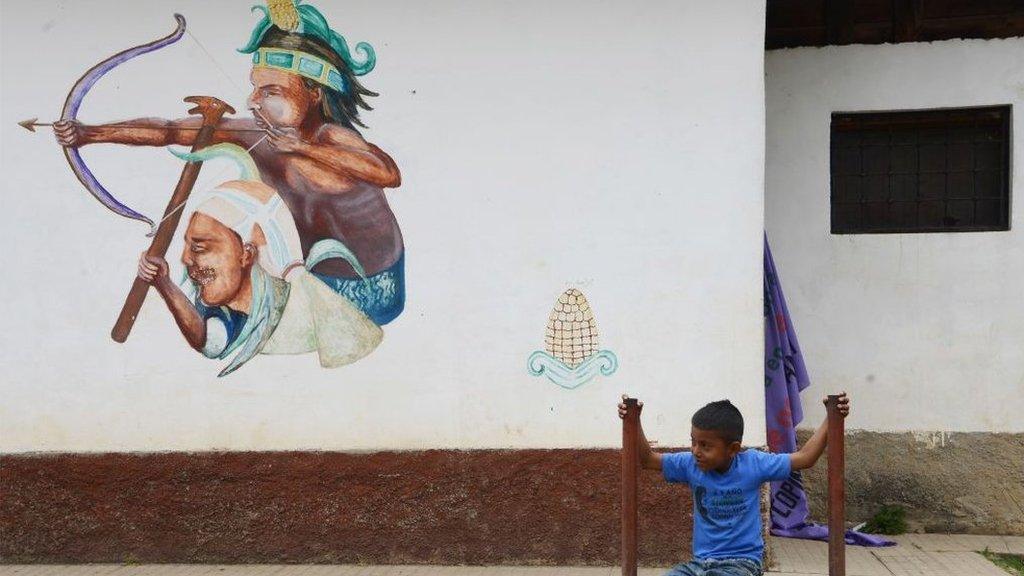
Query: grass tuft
1012,563
891,520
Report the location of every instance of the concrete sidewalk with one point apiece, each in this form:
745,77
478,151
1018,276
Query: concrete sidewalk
916,555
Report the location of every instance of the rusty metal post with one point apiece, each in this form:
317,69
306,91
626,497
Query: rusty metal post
630,471
836,490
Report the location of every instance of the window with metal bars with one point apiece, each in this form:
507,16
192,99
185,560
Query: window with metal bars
921,171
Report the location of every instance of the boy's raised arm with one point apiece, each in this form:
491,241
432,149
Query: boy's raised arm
808,455
649,459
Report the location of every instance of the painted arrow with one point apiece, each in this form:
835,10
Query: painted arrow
33,123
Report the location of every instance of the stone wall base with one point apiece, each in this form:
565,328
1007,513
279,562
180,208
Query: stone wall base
947,482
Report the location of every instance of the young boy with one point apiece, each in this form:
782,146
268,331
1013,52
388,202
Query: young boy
725,481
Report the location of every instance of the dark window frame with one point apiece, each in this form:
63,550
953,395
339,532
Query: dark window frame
886,129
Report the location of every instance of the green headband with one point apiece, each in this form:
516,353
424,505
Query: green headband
301,63
294,17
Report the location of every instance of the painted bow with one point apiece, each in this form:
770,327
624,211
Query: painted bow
74,101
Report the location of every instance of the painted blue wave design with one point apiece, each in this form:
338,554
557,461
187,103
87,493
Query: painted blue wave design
541,363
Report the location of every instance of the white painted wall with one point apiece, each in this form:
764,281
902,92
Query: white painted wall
924,330
613,146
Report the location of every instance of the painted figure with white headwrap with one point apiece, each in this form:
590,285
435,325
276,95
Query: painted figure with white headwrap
247,289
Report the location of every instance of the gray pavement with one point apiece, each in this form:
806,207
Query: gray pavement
916,555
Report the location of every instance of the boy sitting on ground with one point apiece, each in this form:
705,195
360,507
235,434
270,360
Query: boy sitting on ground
725,481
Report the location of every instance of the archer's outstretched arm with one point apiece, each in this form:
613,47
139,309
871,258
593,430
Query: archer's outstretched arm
153,132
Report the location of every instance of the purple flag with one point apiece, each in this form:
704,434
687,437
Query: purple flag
784,377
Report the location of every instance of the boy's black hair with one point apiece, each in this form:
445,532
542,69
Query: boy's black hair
721,417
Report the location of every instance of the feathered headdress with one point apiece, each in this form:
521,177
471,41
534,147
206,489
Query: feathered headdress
293,17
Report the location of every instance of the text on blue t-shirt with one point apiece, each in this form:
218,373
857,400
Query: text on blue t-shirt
726,506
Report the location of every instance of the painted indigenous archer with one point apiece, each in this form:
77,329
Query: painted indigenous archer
304,140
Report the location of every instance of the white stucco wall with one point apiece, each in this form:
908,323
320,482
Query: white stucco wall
924,330
616,147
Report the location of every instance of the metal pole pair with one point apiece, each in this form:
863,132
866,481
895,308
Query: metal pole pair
836,488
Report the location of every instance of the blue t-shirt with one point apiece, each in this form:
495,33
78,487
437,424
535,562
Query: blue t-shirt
727,507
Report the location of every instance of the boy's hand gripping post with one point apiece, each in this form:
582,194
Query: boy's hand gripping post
630,470
836,489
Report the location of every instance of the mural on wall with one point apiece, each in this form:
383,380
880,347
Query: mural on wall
571,355
302,252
